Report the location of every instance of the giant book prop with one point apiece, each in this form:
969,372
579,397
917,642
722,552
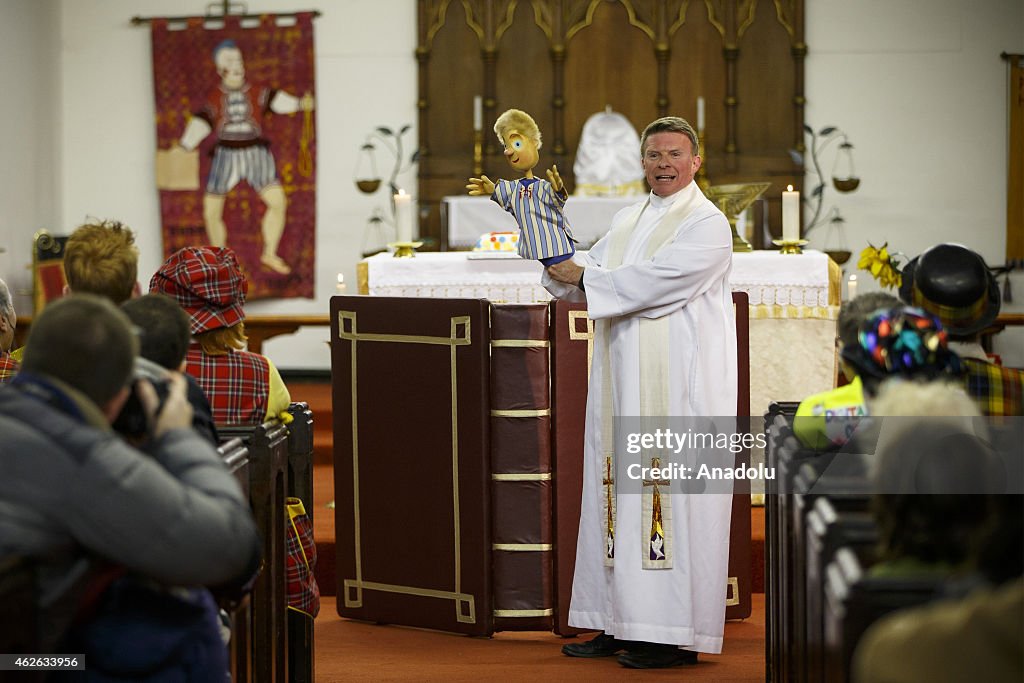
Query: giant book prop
458,431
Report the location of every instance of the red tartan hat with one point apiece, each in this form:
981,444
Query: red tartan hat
207,283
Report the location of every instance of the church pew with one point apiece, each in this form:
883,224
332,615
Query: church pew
239,608
268,486
18,627
300,485
777,426
786,454
832,523
827,474
854,600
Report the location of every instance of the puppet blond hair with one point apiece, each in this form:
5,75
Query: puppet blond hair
515,119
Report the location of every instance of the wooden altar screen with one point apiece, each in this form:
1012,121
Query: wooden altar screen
564,60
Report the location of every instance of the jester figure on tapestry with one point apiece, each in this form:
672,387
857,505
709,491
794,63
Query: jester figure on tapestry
235,146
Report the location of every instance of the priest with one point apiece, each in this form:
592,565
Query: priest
651,559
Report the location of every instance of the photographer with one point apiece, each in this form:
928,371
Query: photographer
102,518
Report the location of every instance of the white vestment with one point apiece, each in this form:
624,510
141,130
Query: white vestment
686,280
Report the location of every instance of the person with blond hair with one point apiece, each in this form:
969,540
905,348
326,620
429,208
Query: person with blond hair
100,257
243,387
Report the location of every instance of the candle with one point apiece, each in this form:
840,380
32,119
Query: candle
403,216
851,288
700,113
340,287
790,215
478,113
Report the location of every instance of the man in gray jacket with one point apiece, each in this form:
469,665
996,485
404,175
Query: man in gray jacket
79,500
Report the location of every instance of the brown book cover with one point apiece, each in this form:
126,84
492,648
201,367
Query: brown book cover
739,603
521,467
571,349
410,389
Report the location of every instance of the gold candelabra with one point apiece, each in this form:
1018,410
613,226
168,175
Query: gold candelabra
478,153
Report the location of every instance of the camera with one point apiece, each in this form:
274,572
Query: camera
132,421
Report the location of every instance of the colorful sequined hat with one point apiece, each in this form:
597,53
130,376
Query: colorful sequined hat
953,283
903,341
207,282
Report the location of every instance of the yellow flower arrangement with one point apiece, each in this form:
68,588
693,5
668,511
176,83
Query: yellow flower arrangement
882,265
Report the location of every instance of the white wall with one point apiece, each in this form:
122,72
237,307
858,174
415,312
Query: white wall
30,195
918,86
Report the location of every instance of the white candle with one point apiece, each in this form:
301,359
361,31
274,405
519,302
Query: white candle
700,113
790,215
403,216
340,288
851,288
478,113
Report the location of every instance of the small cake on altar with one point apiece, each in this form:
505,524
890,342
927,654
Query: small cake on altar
498,241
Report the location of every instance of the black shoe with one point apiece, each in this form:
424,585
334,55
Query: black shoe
601,645
657,657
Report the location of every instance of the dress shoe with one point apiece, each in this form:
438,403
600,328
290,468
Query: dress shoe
601,645
653,656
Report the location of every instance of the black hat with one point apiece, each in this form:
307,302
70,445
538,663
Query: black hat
953,283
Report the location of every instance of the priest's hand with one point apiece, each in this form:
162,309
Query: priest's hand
566,271
480,186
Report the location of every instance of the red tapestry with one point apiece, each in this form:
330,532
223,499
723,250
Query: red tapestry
236,153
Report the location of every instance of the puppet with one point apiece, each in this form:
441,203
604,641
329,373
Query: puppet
536,204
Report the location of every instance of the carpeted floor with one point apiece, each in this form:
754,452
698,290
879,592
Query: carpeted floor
349,650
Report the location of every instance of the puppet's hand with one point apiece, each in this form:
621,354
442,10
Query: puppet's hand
480,186
555,179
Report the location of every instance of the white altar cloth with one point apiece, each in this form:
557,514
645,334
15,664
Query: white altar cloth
793,306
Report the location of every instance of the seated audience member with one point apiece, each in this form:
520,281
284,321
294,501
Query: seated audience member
101,258
164,338
954,284
934,475
8,321
952,529
243,387
118,533
822,419
903,343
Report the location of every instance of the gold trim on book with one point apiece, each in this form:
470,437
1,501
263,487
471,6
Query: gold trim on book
524,612
467,616
521,413
538,476
732,596
588,336
520,343
459,335
522,547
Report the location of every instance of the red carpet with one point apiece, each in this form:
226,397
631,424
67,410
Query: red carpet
349,650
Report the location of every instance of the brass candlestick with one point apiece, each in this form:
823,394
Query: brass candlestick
405,249
790,246
478,153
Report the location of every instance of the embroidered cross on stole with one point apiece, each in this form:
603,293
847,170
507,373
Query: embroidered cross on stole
656,510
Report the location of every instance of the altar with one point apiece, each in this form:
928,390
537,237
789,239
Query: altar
794,303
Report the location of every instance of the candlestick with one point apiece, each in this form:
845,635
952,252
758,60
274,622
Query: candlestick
478,113
403,216
851,288
700,113
790,215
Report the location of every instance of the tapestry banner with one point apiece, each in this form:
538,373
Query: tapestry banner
236,153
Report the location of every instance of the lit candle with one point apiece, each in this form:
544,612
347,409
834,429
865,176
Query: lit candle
340,287
403,216
790,215
851,288
700,113
478,113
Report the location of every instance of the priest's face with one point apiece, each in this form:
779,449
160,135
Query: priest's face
669,162
521,152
